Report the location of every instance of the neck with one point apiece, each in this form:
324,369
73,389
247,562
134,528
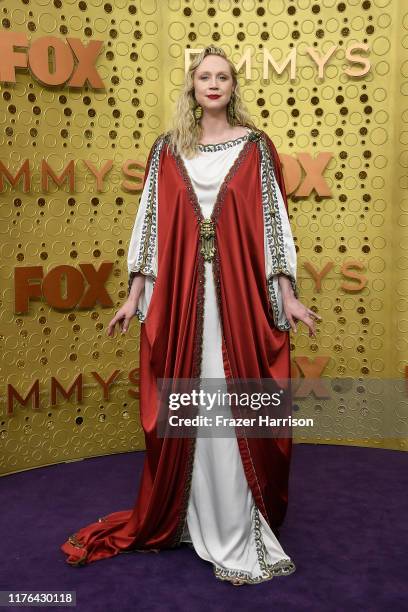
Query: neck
214,126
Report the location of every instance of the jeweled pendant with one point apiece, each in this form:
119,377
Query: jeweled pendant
207,235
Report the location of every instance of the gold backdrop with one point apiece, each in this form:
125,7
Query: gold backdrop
69,391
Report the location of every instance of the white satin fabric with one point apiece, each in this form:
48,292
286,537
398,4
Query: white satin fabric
220,516
207,170
223,523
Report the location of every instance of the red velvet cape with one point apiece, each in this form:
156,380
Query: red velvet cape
171,343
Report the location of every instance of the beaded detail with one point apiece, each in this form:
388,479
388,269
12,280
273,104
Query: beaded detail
77,544
148,241
268,570
284,566
198,340
196,372
273,229
221,146
222,190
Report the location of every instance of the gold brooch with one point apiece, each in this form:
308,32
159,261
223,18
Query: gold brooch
207,235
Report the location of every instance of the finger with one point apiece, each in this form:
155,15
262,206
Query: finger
112,324
308,321
125,325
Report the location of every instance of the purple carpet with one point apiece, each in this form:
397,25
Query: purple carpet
346,531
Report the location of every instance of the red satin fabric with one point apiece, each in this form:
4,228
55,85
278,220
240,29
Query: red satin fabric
170,347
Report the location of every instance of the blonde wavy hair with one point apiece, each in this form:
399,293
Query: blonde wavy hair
186,132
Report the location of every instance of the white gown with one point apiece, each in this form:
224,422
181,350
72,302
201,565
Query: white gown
223,523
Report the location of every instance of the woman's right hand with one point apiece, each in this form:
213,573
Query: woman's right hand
122,317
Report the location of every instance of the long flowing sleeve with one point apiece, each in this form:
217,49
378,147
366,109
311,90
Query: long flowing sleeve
280,251
142,252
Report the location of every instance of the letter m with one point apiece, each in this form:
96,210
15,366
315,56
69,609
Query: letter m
14,180
12,393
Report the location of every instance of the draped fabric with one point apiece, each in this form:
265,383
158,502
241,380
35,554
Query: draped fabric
253,245
223,524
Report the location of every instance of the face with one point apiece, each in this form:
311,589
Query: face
213,77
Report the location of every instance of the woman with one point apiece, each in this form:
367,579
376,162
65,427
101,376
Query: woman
212,279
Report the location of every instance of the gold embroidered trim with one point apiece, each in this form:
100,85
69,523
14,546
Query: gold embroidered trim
77,544
273,230
149,230
268,570
221,146
148,239
254,136
198,340
222,190
139,314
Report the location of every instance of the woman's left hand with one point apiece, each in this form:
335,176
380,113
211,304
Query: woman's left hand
296,311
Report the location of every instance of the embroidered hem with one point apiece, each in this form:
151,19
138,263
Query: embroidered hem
274,298
139,314
283,567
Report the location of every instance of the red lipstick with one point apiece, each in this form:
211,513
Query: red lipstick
213,96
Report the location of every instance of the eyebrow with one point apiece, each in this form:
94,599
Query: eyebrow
207,72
